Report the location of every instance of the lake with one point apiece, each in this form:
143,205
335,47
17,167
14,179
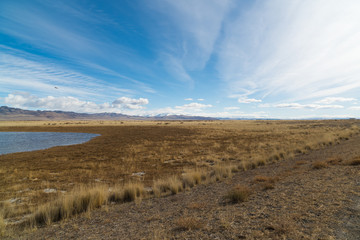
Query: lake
11,142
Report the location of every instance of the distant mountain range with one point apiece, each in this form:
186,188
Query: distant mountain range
8,113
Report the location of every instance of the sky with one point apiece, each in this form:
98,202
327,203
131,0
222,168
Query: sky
214,58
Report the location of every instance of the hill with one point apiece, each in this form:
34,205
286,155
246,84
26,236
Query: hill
17,114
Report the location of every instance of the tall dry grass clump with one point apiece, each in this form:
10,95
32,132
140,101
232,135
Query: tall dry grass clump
354,162
81,199
238,194
194,177
171,185
221,171
127,193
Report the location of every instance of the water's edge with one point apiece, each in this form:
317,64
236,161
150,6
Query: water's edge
13,142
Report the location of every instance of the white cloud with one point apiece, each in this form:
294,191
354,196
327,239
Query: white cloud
330,100
194,106
175,67
68,103
192,30
130,103
354,108
248,100
201,99
292,50
198,25
231,108
188,99
24,74
307,106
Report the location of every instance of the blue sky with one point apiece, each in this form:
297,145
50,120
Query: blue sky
262,59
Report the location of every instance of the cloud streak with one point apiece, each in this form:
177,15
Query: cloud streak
307,106
293,50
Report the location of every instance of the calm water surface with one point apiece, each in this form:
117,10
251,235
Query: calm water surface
11,142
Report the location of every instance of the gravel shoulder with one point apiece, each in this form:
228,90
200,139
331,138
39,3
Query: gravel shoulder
305,203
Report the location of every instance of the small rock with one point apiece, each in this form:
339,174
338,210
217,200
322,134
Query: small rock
14,200
138,174
50,190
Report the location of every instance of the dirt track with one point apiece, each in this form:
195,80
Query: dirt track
306,203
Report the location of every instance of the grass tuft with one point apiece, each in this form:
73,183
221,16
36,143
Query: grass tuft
172,185
81,199
238,194
192,178
354,162
319,165
188,223
127,193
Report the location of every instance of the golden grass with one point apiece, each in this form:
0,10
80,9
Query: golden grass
266,182
238,194
171,185
354,162
194,177
81,199
127,193
334,160
319,165
260,178
206,151
188,223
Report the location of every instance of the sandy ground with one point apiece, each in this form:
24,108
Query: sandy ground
305,203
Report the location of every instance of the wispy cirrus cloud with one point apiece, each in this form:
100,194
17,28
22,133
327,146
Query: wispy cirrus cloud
85,43
192,32
307,106
292,50
330,100
24,74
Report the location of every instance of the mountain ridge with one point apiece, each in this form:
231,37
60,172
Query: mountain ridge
9,113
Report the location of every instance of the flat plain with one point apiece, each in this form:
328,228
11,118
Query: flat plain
229,156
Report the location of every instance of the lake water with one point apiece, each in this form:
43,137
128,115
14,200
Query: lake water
11,142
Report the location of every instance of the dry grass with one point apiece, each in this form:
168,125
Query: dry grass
221,171
209,150
334,160
354,162
260,178
280,228
266,182
319,165
268,186
188,223
172,185
238,194
127,193
82,199
194,177
2,225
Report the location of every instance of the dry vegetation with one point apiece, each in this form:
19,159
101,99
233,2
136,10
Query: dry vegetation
238,194
135,160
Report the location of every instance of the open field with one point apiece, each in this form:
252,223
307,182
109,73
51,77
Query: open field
147,152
